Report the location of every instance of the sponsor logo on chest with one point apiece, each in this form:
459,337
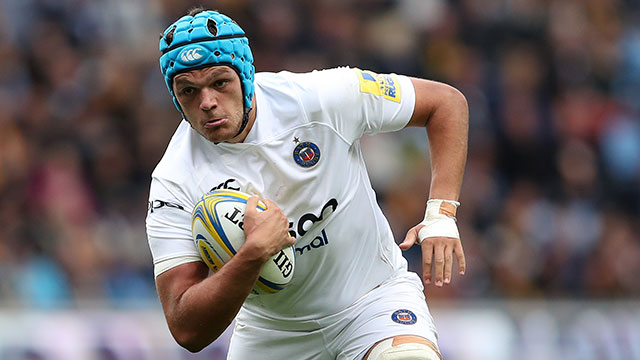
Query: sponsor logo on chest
297,229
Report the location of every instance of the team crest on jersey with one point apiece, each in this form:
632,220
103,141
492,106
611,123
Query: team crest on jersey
404,316
306,154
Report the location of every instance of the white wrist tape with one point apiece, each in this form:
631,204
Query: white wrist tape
439,220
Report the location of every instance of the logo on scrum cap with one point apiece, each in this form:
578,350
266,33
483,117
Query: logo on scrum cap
191,55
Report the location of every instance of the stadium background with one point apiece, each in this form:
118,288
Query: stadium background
550,201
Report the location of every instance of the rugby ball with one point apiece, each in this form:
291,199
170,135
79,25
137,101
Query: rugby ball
217,228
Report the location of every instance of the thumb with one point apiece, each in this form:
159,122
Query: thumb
411,238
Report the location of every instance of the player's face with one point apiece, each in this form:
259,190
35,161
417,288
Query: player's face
211,99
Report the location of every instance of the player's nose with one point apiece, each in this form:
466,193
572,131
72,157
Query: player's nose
208,99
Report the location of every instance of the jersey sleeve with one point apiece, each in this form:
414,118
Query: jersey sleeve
356,102
169,226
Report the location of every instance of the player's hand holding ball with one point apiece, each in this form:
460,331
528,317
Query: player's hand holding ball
227,222
267,232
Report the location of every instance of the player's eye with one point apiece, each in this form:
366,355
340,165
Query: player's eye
188,90
220,83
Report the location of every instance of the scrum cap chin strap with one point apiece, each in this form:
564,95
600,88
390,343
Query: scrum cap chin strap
245,121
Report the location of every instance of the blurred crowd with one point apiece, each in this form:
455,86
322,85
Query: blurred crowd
551,197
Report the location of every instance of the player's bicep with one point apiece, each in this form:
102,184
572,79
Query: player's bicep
172,283
430,95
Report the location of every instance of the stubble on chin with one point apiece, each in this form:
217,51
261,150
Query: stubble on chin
219,135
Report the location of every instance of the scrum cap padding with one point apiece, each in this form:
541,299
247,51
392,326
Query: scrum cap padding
206,39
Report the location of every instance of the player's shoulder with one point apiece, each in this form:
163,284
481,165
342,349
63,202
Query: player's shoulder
308,90
304,80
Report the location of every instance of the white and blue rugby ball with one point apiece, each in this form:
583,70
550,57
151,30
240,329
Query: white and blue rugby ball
217,228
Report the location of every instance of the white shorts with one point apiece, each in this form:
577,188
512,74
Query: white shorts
396,307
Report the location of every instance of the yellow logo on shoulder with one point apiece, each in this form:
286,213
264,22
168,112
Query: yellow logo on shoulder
379,84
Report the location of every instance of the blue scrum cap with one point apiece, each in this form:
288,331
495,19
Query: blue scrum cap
206,39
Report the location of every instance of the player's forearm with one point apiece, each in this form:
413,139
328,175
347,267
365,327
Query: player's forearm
447,129
205,309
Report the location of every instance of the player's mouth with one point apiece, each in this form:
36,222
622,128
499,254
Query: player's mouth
215,122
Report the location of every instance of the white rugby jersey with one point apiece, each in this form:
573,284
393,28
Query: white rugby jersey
303,152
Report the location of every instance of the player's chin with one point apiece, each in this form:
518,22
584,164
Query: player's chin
217,135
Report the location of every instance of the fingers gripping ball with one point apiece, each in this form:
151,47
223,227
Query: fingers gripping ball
217,228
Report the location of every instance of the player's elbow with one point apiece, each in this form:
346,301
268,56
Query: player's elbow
194,348
455,99
191,343
454,110
190,340
437,100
